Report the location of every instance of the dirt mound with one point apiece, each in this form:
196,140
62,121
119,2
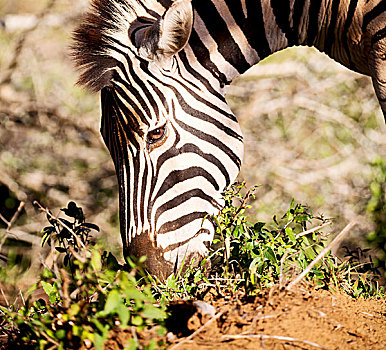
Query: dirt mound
275,319
279,319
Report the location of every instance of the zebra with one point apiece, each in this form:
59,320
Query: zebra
162,67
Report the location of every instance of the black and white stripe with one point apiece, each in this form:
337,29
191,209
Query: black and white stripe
162,67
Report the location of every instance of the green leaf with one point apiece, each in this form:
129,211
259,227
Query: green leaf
132,345
61,249
153,312
114,299
123,313
270,255
74,309
50,290
290,234
258,226
96,261
137,320
104,329
99,341
90,226
134,293
60,334
74,211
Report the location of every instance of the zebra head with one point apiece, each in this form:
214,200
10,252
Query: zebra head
173,139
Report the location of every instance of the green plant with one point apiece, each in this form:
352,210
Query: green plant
261,256
250,257
85,306
70,236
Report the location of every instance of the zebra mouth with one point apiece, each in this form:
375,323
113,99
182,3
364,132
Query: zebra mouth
206,243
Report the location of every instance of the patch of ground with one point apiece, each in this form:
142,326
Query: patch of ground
301,319
275,319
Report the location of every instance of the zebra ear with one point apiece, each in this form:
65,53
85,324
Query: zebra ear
169,34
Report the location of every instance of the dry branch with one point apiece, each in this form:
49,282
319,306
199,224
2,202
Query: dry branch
314,229
23,236
276,337
334,242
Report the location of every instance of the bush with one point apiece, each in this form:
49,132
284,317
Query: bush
88,299
91,297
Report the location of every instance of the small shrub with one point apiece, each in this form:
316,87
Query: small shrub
87,300
250,257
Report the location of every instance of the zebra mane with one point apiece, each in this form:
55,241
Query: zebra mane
100,37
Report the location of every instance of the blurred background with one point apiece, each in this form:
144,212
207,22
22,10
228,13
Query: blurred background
313,132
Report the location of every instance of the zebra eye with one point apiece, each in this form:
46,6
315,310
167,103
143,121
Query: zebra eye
156,135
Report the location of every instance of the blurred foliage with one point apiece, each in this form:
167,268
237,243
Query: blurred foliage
377,207
312,129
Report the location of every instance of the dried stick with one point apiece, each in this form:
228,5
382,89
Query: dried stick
14,217
277,337
4,296
10,224
214,318
22,236
322,254
301,234
2,218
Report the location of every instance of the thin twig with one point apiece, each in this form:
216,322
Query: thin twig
313,229
45,335
322,254
4,296
134,334
45,264
277,337
244,202
2,218
15,216
187,339
21,296
10,223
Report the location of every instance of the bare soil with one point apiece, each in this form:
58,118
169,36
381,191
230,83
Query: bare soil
277,319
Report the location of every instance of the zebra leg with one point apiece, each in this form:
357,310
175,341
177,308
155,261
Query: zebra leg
377,65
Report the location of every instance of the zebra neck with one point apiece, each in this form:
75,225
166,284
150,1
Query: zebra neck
231,36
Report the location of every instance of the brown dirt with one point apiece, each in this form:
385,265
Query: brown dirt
330,320
278,319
